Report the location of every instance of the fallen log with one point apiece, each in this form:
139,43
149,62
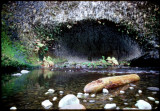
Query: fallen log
110,82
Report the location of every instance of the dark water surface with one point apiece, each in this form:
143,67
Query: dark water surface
28,91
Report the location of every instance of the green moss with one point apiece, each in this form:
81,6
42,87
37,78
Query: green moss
13,52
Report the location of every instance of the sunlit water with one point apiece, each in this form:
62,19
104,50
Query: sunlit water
28,91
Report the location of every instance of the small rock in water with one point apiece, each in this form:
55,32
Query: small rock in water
140,91
133,85
51,90
130,108
153,88
84,101
131,88
54,98
151,98
18,74
79,95
69,99
122,92
110,106
46,93
125,103
117,108
157,102
154,92
24,71
61,92
46,104
13,108
141,104
91,101
86,95
110,99
93,95
105,91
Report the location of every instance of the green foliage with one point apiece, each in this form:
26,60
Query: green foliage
102,62
13,53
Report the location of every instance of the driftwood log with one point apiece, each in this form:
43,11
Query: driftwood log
110,82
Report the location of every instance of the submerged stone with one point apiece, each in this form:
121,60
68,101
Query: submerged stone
153,88
46,104
151,98
73,106
110,99
141,104
105,91
131,88
93,95
86,95
133,85
68,100
79,95
54,98
92,101
157,102
122,92
51,90
110,106
61,92
140,91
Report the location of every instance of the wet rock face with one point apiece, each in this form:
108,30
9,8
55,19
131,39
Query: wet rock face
135,15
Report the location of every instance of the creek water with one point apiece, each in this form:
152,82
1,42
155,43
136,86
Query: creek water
28,91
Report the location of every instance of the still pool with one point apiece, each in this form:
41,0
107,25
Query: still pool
28,91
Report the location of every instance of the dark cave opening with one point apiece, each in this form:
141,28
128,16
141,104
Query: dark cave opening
92,39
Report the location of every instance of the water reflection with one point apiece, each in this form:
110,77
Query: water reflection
28,90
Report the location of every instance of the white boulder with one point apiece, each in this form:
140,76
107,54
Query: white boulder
141,104
46,104
151,98
105,91
13,108
110,106
68,100
51,90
